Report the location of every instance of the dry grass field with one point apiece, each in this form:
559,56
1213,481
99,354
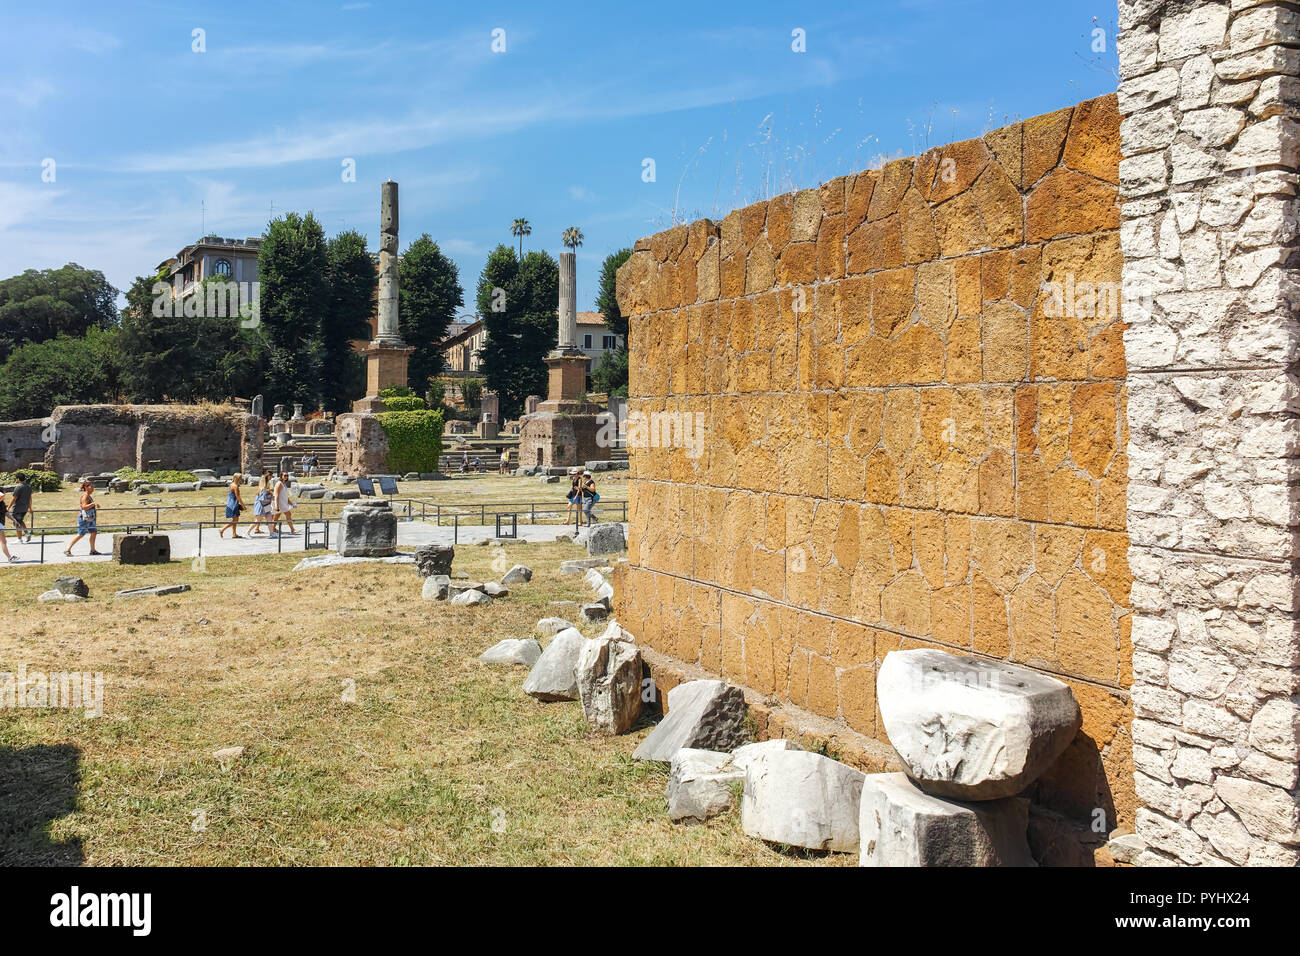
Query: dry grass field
437,759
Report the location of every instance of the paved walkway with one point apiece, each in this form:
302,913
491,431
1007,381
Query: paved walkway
185,541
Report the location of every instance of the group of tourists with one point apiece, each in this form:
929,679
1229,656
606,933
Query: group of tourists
18,509
582,494
271,503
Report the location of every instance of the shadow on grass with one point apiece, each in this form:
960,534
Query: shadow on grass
37,786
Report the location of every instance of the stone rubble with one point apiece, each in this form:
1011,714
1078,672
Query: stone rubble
554,676
701,714
802,799
524,651
608,674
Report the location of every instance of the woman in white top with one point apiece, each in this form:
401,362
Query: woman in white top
283,505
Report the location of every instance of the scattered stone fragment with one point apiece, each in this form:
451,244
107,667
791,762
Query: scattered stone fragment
703,714
492,589
700,785
157,590
458,587
519,574
593,579
54,594
513,650
471,599
973,729
228,756
551,625
802,799
431,559
902,825
1126,848
580,565
609,682
436,587
71,585
332,560
593,613
606,539
554,675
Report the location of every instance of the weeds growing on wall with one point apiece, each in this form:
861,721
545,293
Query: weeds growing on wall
414,439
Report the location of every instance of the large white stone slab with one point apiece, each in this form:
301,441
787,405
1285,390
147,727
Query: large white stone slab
802,799
704,714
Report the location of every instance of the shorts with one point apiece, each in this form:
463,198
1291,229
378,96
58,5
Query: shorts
232,511
85,525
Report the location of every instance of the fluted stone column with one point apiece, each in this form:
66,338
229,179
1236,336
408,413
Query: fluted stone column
1208,94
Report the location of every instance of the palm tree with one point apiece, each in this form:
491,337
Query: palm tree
572,237
521,229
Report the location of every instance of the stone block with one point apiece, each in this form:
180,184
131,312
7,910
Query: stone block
608,673
973,729
554,676
802,799
702,714
367,529
901,825
524,651
700,785
142,548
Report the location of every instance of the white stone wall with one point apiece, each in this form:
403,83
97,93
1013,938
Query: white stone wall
1210,142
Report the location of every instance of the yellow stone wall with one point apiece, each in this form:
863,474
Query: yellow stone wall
904,443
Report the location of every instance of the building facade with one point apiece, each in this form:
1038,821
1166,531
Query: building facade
461,347
234,260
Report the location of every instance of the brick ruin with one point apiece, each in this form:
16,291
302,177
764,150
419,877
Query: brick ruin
902,410
96,438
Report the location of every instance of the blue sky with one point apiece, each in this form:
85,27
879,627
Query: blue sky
145,132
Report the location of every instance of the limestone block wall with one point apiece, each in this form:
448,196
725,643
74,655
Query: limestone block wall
1209,96
889,413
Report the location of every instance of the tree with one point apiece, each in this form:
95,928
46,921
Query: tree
41,304
293,269
183,351
572,237
606,300
431,294
518,302
521,228
351,280
611,374
67,370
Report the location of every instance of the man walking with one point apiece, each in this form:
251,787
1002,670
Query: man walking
21,508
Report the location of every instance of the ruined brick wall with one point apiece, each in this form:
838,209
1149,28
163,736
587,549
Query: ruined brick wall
899,422
22,443
96,438
362,444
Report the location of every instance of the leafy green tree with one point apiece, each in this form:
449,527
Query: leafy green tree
431,294
67,370
611,374
41,304
517,300
606,300
352,280
293,268
166,354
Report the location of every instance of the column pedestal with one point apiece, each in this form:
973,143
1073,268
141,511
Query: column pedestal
385,368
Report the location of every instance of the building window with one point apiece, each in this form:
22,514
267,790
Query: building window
222,268
586,341
607,342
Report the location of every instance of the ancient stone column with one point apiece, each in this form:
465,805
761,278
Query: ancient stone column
568,302
388,333
1209,176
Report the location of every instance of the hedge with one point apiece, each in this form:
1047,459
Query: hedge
38,479
414,439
